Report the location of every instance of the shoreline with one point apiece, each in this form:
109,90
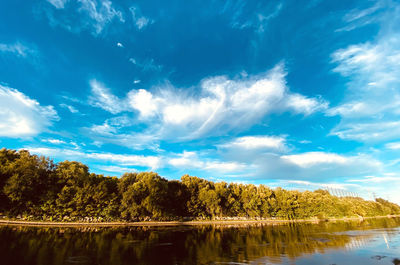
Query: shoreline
4,222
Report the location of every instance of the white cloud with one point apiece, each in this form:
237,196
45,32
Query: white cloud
309,159
224,166
393,145
72,109
119,44
151,162
104,129
143,102
380,186
18,49
376,179
186,159
371,108
142,22
139,20
21,116
368,131
321,166
256,164
305,105
257,142
54,141
324,165
146,64
107,128
123,162
102,97
64,143
222,105
319,185
258,21
117,169
337,188
351,109
75,145
93,15
372,64
357,18
117,131
190,160
59,4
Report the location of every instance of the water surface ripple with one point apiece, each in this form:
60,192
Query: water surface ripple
374,241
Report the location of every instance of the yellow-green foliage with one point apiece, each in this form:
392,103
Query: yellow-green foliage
36,187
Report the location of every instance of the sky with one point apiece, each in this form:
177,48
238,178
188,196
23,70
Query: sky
297,94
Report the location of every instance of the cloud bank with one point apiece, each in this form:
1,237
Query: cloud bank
222,105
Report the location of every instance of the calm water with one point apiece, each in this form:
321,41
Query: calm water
367,242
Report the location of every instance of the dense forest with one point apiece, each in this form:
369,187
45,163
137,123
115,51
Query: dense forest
35,188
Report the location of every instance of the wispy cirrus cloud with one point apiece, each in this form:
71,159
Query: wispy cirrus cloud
261,14
146,64
62,142
377,179
103,98
370,111
359,17
72,109
304,105
18,49
21,116
78,15
118,130
59,4
139,20
380,185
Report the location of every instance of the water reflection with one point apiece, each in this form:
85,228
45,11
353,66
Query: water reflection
217,244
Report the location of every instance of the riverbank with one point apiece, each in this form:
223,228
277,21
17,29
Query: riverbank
184,223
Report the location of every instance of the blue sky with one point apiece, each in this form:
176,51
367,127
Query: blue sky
284,93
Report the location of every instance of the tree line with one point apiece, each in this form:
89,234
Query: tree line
34,187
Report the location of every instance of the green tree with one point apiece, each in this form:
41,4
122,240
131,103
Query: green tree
7,157
145,198
178,195
28,185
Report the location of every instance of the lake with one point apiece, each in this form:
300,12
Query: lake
372,241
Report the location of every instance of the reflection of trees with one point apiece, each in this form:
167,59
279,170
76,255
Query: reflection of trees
178,245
